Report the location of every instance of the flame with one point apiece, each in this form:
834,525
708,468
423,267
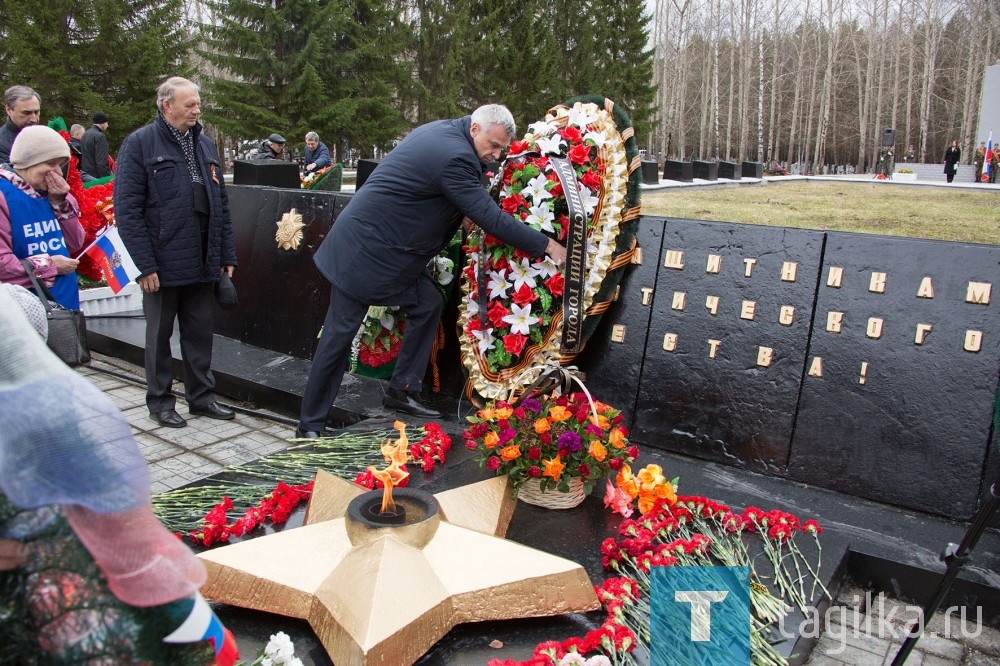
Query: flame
396,455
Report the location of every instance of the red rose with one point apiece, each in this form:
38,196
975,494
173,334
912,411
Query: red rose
524,295
579,154
556,191
584,470
563,227
512,204
592,180
534,453
518,147
493,464
514,343
545,438
496,314
556,284
571,134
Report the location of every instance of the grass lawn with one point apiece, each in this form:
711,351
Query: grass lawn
876,208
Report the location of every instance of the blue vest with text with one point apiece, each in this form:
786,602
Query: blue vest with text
34,229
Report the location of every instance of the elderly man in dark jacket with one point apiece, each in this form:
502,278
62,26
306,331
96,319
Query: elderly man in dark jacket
23,106
172,212
317,155
378,249
94,148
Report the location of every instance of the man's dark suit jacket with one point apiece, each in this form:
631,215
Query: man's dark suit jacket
406,212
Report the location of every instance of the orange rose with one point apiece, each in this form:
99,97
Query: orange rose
503,413
553,468
542,425
617,438
559,413
602,421
491,439
597,451
510,452
486,413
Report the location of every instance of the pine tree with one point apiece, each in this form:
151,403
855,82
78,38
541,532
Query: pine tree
295,66
84,56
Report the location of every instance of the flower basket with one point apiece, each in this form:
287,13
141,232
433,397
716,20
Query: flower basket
564,443
532,493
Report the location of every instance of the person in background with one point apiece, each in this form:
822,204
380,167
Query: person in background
39,218
24,107
94,147
88,574
979,159
272,148
76,133
951,159
174,220
317,155
377,252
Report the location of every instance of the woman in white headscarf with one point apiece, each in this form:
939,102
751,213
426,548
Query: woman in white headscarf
88,574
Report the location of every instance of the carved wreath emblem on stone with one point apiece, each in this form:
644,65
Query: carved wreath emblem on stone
289,233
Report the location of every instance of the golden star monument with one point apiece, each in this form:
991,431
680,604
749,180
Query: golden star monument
385,594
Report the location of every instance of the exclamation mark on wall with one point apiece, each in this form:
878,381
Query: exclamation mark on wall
864,372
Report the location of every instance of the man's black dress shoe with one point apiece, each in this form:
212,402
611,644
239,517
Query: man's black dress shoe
306,434
403,401
168,418
213,411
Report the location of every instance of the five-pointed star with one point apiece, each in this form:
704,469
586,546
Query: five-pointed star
384,600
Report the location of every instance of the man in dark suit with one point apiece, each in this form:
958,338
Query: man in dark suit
172,211
378,249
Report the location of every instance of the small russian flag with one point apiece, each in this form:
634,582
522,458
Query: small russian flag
110,254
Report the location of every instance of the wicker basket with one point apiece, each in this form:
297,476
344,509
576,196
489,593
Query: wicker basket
531,493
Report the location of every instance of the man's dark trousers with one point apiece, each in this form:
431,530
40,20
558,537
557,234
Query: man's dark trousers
343,318
192,306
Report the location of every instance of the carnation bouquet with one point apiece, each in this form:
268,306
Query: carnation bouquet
554,439
513,333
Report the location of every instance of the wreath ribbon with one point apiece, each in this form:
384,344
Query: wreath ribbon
576,257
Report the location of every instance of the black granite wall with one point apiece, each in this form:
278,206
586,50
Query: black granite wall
865,364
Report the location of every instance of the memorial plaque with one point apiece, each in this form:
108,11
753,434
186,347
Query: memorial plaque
901,378
612,359
677,170
282,295
730,170
705,170
727,341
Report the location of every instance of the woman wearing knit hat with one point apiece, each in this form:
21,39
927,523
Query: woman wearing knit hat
39,218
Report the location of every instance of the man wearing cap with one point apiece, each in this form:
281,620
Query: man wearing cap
39,218
172,211
272,148
94,147
23,109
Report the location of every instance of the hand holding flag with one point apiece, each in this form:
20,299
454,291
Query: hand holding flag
109,252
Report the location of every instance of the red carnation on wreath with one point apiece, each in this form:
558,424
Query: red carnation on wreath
96,213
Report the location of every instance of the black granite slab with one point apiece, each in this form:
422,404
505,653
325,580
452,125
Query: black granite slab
705,170
678,170
650,172
895,406
730,170
727,341
752,170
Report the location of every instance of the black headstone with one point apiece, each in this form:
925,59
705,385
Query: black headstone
365,168
900,383
273,173
650,172
753,170
705,170
728,337
283,297
677,170
730,170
